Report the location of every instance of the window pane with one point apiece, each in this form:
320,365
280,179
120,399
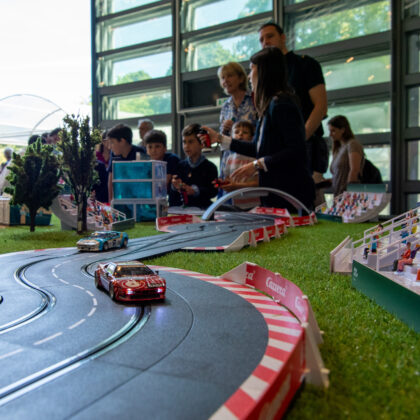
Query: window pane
198,14
106,7
413,164
357,71
136,105
412,201
214,158
413,107
322,26
116,34
380,157
114,71
414,52
365,118
215,52
411,8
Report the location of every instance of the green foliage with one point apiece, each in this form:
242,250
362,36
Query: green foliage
77,145
133,77
147,104
252,7
34,178
213,54
345,23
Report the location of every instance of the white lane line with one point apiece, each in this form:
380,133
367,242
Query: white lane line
254,387
12,353
63,281
257,296
91,312
273,306
95,302
284,330
51,337
79,287
77,324
89,293
58,265
282,345
223,413
289,318
271,363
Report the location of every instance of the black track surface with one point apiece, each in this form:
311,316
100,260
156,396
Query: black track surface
83,356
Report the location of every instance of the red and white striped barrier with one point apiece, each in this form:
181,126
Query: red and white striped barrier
163,223
247,238
285,215
291,354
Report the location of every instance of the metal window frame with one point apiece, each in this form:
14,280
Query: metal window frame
392,41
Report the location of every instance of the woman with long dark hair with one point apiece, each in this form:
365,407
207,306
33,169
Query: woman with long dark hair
348,154
279,142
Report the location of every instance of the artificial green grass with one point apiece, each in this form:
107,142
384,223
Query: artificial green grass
373,357
18,238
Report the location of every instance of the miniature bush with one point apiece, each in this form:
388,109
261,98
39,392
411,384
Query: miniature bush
34,178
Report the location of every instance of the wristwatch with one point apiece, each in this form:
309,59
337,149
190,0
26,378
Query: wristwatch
256,164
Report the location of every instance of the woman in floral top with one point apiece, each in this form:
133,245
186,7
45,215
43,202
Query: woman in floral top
239,106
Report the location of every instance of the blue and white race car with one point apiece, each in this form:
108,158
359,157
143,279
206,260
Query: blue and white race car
102,241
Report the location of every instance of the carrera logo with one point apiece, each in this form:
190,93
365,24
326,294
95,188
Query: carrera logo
271,284
299,304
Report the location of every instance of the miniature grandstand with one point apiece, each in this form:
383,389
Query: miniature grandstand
100,216
372,262
359,204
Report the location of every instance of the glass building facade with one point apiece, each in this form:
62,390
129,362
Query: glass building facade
159,60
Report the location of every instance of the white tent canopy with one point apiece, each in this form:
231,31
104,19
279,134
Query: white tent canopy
22,115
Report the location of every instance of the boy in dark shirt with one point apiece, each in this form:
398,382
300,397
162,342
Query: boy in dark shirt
192,184
121,138
155,141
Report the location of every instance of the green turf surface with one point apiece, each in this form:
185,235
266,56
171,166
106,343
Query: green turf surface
373,357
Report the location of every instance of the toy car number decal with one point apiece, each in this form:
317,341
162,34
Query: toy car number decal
135,283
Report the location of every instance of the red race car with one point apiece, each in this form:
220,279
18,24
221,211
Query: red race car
130,281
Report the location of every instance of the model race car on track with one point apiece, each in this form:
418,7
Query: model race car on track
102,241
130,281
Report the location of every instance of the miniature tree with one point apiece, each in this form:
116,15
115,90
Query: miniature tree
77,144
34,178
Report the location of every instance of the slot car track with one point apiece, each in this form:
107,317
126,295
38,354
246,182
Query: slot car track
68,351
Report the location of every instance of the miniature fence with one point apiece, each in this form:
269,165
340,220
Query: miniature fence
399,226
408,216
387,254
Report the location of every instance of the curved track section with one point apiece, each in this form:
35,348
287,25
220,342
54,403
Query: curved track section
190,355
46,302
